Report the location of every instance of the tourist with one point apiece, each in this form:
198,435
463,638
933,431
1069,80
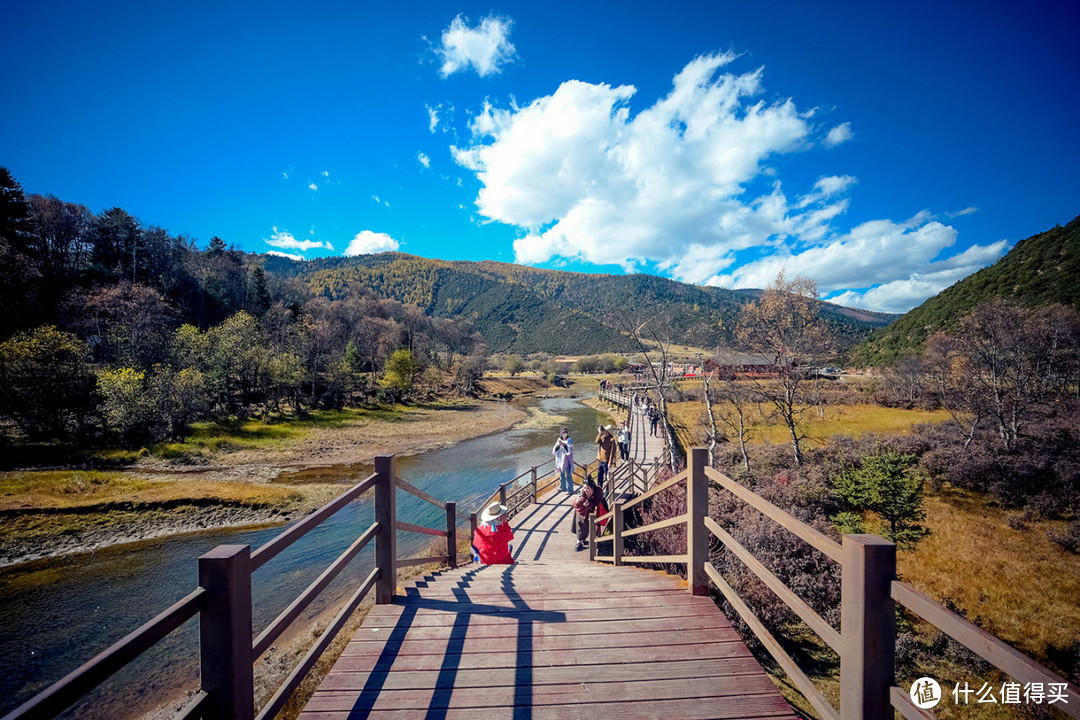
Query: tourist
654,419
589,501
564,460
491,541
624,441
605,451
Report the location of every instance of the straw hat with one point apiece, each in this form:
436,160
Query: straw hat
610,428
492,511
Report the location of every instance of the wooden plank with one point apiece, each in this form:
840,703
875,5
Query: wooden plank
67,690
433,560
677,520
425,618
504,630
659,488
573,641
797,527
793,601
592,600
994,651
497,658
417,492
901,700
345,681
409,527
798,678
263,555
575,693
761,707
655,559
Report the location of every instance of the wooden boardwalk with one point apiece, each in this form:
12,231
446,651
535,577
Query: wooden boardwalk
552,636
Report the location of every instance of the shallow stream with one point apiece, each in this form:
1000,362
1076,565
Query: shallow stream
57,613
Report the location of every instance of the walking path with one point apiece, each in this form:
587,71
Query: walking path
552,636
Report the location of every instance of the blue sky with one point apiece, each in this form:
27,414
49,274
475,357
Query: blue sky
884,151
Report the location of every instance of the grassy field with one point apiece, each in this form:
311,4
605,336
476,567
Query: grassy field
71,489
999,570
851,420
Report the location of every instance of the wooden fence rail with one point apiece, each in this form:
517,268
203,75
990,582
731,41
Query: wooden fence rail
869,589
223,603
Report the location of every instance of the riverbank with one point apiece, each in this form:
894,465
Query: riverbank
249,476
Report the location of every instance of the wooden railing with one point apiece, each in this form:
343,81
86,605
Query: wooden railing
223,603
869,589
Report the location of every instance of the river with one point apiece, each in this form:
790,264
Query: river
59,612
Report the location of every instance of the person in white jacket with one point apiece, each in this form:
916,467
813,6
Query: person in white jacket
624,441
564,460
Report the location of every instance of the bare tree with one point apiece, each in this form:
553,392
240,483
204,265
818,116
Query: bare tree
711,431
785,327
737,397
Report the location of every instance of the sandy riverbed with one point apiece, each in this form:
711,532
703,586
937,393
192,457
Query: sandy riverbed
31,534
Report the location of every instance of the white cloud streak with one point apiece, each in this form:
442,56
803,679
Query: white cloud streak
285,239
366,242
485,48
423,159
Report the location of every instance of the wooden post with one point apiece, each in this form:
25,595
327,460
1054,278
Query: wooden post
697,538
502,494
225,633
617,528
533,481
386,538
633,477
472,527
592,536
868,627
451,533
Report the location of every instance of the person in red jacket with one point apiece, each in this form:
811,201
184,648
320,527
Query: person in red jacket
491,541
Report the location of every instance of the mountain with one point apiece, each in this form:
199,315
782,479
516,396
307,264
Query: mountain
1041,270
523,309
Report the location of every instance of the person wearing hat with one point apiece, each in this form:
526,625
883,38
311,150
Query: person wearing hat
605,451
589,502
564,460
491,541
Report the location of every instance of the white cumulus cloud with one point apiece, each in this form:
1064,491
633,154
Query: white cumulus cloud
366,242
839,134
485,48
285,239
686,186
587,180
312,186
898,264
423,159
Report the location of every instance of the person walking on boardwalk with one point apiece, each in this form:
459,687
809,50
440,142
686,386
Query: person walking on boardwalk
654,419
491,541
564,460
590,500
624,441
605,451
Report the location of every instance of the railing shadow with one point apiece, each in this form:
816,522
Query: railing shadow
439,704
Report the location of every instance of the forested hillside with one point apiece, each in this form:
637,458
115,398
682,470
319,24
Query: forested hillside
522,310
1042,270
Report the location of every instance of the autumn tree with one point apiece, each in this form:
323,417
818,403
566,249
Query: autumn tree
784,326
46,380
400,373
